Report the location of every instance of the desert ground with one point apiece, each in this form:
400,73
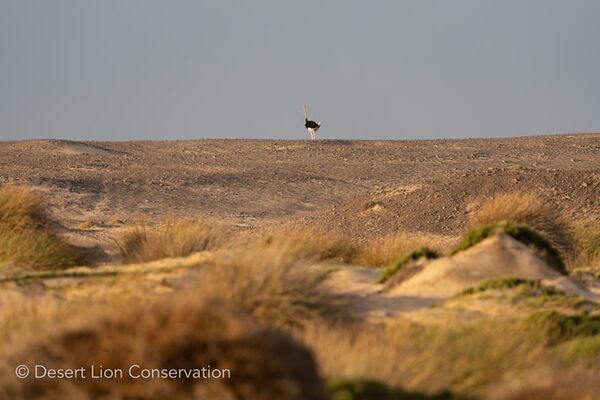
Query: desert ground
329,269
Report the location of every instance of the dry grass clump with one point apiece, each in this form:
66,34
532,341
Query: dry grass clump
527,209
462,358
310,244
21,208
175,238
273,286
381,252
468,358
26,235
179,333
587,245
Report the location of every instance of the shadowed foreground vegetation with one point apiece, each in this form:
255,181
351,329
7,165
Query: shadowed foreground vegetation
179,333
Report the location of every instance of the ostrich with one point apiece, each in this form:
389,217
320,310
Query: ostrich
311,126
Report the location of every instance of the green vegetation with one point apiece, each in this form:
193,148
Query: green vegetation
557,328
405,259
527,287
584,350
26,234
523,234
359,389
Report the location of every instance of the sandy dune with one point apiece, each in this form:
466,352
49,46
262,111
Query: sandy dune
496,257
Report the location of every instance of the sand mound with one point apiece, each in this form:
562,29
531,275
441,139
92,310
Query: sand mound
433,282
496,257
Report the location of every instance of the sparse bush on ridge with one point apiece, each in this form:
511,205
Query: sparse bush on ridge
524,208
523,234
175,238
413,255
26,234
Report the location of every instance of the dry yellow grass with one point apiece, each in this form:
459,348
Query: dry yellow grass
466,358
587,245
21,208
381,252
237,298
175,238
24,318
309,244
527,209
274,287
26,234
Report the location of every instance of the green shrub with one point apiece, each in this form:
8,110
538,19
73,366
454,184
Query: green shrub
527,285
523,234
405,259
583,349
556,328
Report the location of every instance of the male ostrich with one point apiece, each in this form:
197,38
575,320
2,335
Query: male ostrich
311,126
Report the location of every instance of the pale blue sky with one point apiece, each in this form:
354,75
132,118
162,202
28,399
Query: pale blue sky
176,69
